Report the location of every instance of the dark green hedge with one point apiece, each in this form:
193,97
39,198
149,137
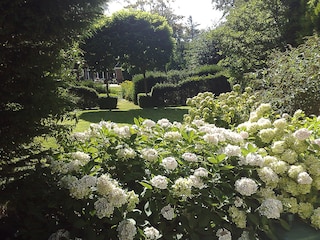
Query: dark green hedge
87,97
152,79
108,102
177,94
146,101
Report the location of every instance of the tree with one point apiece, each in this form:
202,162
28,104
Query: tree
142,41
203,50
250,33
37,43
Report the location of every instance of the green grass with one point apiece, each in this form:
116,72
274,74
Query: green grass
125,114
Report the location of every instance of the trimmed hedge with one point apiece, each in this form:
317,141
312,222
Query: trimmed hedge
87,97
108,102
146,101
176,95
152,78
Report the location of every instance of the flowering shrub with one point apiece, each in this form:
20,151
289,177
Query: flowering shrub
194,180
226,110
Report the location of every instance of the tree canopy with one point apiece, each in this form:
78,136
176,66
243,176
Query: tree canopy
36,37
142,41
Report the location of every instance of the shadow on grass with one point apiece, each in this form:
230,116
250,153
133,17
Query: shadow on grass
127,117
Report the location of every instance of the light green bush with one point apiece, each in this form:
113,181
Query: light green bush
226,110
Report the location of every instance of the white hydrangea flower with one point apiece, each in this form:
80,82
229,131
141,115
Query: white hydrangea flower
196,182
126,153
169,163
271,208
211,138
279,167
123,132
232,150
201,172
198,122
165,123
80,136
264,123
133,200
190,157
103,208
280,123
172,136
82,157
244,236
238,202
244,134
105,185
149,154
289,156
148,123
151,233
302,134
118,197
252,159
159,181
317,141
127,229
168,212
315,218
246,186
223,234
263,108
294,171
267,175
81,188
182,187
278,147
304,178
267,135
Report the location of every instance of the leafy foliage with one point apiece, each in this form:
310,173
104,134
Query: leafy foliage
226,110
195,180
291,81
248,36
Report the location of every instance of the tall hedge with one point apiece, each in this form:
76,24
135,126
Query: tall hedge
177,94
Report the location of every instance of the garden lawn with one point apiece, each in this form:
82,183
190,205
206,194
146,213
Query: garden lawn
126,112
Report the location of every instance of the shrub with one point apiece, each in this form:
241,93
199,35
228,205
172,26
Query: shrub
108,102
152,78
292,78
175,95
206,70
87,97
146,101
226,110
98,86
195,180
127,90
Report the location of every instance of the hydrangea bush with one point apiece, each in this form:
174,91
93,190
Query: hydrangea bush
194,180
226,110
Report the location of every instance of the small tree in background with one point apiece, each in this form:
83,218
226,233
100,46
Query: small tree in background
139,40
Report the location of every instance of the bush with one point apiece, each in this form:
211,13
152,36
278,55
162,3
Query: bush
127,90
108,102
146,101
205,70
98,86
192,181
176,95
87,97
226,110
292,78
152,78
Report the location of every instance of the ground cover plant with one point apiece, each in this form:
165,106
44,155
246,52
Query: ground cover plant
194,180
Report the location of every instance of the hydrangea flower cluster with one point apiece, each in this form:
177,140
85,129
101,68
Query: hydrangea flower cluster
157,179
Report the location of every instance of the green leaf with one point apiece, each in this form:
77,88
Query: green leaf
146,185
285,224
